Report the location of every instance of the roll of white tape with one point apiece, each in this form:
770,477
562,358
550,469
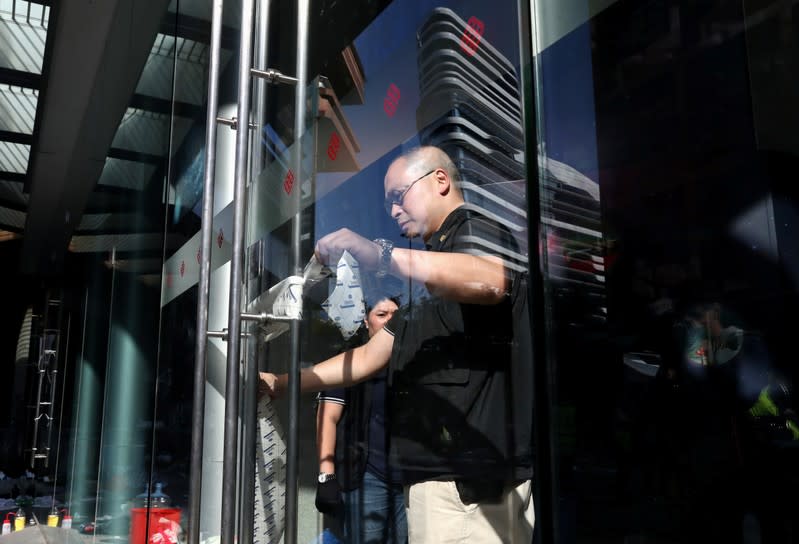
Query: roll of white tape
270,476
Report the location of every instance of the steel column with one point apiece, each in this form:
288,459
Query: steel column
250,409
206,233
292,447
231,434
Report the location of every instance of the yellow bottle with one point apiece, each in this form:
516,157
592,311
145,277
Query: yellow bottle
19,520
52,518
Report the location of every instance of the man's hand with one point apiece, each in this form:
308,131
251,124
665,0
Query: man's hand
461,277
268,384
329,249
328,497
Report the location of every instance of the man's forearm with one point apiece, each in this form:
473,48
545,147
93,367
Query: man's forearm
456,276
342,370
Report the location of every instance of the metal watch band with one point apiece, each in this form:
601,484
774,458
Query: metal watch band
326,477
384,265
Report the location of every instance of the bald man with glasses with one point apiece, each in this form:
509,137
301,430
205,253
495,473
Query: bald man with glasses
459,407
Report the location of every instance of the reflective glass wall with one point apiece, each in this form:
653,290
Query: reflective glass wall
671,295
101,409
659,210
385,78
114,461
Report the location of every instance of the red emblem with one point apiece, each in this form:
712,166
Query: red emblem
288,182
472,35
333,146
391,101
182,268
220,238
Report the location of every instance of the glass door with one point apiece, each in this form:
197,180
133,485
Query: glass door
382,78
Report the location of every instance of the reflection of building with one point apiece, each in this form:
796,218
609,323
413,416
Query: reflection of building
571,222
470,106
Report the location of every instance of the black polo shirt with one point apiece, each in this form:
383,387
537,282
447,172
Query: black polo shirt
453,403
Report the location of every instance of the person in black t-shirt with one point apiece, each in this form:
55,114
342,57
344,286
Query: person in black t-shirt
352,441
460,408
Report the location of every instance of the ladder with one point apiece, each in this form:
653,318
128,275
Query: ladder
45,361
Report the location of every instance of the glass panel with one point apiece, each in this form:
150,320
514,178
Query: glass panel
12,218
12,193
110,462
143,132
666,140
23,31
389,77
17,109
14,157
180,271
133,175
102,412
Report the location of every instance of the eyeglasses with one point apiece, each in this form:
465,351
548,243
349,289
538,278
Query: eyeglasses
397,197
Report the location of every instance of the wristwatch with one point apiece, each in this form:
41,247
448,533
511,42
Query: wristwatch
326,477
384,264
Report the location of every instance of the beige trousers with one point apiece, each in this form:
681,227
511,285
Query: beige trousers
436,515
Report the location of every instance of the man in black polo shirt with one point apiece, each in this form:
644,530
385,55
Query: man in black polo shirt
460,409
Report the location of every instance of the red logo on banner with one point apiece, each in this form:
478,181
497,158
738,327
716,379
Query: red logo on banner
288,182
470,40
182,268
391,101
220,238
332,146
169,280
